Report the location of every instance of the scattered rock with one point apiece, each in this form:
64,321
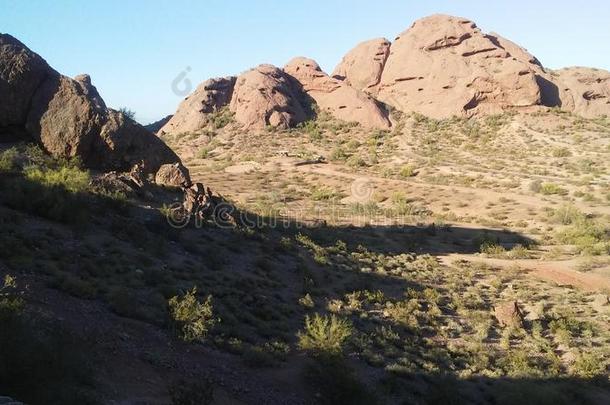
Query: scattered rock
340,100
264,97
509,314
192,114
173,175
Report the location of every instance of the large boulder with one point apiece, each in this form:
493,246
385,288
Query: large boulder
173,175
264,96
339,99
123,143
63,119
21,74
362,66
584,91
192,114
68,117
445,66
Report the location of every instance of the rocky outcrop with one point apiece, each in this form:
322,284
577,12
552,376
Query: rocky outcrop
192,114
68,117
444,66
90,91
154,127
361,67
585,91
339,99
264,97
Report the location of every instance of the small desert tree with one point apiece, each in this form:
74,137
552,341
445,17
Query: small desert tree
324,334
192,320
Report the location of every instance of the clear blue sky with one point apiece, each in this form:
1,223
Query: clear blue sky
133,49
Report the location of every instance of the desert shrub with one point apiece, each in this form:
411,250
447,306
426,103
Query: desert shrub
221,118
536,392
192,320
355,161
40,363
587,236
520,363
128,113
567,214
589,365
407,171
336,382
561,152
200,392
312,129
492,248
70,178
324,193
324,334
53,202
306,301
338,154
552,189
203,153
7,160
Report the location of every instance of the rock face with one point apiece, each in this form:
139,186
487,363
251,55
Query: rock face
21,73
339,99
209,97
585,91
264,97
154,127
90,91
68,117
444,66
362,66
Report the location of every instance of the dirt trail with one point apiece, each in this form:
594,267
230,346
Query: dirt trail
560,272
330,170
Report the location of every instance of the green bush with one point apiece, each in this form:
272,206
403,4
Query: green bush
407,171
324,193
70,178
589,365
568,214
336,382
191,319
40,363
355,161
7,160
324,334
338,154
200,392
552,189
